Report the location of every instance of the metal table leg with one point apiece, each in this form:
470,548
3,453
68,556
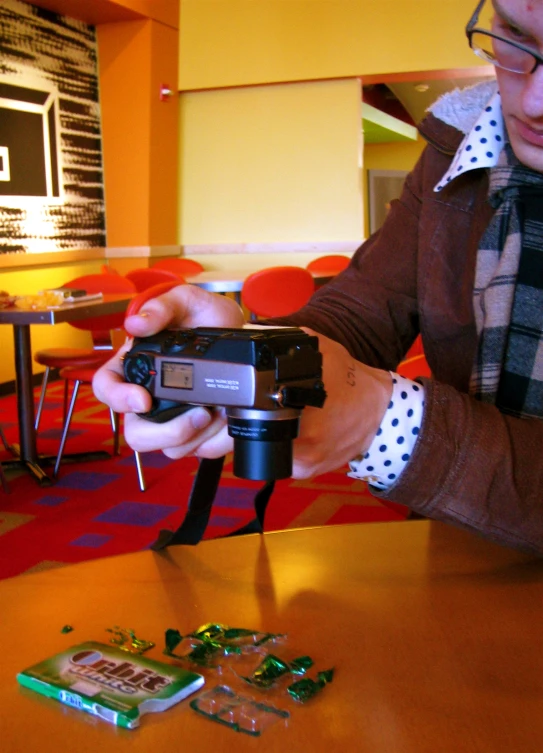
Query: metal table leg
26,453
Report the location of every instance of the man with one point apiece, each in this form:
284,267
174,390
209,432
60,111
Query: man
456,259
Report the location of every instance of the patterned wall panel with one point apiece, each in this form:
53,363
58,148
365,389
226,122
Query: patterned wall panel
51,179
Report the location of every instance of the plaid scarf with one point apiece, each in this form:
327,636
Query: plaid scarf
508,293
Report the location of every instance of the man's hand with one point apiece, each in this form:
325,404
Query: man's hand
329,437
357,398
199,428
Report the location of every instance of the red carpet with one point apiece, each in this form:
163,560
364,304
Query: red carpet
97,510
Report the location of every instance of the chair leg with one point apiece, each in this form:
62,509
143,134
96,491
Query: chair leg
116,426
4,440
139,469
4,481
66,427
42,396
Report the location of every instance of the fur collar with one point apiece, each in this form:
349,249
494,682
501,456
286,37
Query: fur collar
460,108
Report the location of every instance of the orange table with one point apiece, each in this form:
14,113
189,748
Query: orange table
435,636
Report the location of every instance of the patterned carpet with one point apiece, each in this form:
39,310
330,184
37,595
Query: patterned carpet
97,510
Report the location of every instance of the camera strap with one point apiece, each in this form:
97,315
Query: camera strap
202,494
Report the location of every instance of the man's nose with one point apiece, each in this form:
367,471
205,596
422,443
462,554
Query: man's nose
532,95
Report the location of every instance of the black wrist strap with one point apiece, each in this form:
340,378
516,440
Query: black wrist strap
202,494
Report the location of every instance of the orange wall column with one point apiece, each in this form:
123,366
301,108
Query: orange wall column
139,131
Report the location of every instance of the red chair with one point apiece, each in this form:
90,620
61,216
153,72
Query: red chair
180,266
99,329
77,374
105,269
333,263
146,277
277,291
414,367
416,349
153,292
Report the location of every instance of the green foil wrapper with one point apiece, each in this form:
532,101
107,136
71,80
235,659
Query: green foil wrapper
172,638
268,671
207,652
66,629
126,640
306,688
271,668
224,634
301,665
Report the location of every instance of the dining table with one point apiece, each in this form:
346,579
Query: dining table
216,281
416,637
25,453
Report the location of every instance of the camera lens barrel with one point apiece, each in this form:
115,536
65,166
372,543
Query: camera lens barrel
263,442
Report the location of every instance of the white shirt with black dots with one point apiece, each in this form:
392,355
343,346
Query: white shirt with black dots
397,435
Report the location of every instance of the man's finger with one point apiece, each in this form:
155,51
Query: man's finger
184,432
110,387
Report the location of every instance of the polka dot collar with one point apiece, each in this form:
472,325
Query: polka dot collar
481,146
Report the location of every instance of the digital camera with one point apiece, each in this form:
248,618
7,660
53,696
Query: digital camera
262,377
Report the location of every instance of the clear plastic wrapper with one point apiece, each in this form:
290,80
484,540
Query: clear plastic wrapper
240,713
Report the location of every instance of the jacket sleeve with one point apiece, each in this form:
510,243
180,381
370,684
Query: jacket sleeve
477,468
472,465
371,307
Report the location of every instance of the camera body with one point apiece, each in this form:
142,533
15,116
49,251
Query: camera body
262,377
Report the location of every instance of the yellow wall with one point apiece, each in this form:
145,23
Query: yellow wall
235,42
394,156
270,164
282,162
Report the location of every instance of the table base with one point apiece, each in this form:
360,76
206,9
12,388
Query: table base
35,467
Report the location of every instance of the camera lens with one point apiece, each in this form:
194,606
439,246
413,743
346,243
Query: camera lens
263,442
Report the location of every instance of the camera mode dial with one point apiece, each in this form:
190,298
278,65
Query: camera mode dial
139,369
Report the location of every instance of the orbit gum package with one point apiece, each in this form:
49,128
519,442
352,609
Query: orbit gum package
105,681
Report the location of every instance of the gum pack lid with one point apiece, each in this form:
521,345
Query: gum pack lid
109,683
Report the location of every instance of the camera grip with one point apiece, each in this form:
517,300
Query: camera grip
165,410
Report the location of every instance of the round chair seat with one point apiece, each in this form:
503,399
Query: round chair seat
58,358
78,373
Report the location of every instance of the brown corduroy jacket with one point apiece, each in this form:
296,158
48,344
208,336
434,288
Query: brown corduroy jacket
472,465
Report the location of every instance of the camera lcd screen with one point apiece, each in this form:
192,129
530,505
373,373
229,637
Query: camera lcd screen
177,375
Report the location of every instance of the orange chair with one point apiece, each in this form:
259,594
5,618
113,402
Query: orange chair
331,263
277,291
146,277
99,328
180,266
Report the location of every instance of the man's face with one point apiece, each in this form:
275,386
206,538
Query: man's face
522,94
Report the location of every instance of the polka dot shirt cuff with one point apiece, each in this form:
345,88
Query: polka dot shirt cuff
395,440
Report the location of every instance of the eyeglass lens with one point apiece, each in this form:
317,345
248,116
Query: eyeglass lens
502,53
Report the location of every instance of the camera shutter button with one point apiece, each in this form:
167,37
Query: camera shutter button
202,344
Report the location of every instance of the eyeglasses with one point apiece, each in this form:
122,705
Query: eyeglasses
503,53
